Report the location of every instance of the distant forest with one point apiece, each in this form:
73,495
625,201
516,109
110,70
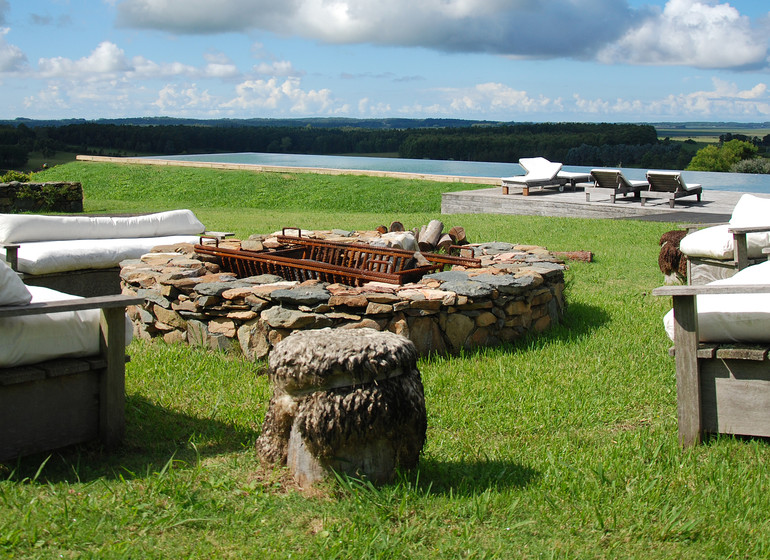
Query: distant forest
585,144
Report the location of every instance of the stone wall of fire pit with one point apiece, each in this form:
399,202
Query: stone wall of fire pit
518,289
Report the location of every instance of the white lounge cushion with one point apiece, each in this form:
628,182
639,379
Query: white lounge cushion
20,228
717,242
733,317
12,289
713,242
751,211
48,257
36,338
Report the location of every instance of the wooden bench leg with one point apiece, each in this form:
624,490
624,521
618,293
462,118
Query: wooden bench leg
688,393
112,385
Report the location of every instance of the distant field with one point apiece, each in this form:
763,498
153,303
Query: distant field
708,134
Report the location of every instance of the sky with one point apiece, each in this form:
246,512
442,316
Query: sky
497,60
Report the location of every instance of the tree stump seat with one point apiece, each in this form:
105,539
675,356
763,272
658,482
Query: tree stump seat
344,400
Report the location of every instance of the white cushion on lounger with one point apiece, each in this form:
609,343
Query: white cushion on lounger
717,243
714,242
20,228
36,338
751,211
12,289
47,257
733,317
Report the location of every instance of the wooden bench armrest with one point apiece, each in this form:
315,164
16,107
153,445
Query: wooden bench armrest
711,289
11,254
79,304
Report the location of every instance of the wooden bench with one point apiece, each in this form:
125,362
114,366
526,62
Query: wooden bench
62,402
721,388
702,270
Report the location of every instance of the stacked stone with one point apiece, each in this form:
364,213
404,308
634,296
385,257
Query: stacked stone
518,289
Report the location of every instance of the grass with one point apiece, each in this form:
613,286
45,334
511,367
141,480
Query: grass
560,446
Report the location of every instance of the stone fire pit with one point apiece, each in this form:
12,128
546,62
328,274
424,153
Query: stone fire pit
518,289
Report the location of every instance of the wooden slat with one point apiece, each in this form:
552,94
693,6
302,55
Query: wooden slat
104,302
733,352
21,374
70,366
711,289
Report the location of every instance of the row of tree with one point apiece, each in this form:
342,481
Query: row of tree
587,144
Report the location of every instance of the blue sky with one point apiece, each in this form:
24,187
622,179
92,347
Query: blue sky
502,60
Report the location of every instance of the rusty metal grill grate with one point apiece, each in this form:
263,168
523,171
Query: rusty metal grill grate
302,258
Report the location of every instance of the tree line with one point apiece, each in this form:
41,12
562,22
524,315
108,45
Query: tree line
589,144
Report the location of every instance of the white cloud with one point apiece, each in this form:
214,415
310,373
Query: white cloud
107,58
367,107
496,98
172,100
724,100
522,27
283,96
276,68
220,66
703,34
12,58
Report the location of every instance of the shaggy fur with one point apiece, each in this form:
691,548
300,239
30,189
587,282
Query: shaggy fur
671,259
342,389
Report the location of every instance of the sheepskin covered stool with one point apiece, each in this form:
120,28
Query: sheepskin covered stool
348,400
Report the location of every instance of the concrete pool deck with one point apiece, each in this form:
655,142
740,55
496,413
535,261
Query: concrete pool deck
714,207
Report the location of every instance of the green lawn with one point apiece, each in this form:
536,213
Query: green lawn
560,446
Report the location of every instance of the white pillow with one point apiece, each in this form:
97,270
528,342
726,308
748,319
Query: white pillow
18,228
49,257
733,317
714,242
751,211
12,289
36,338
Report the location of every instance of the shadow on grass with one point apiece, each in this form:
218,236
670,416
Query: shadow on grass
469,478
154,435
579,322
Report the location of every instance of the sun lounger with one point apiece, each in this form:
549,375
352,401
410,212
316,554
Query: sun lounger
613,181
541,173
669,185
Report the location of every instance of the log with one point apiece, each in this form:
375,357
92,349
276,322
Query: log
396,226
382,229
457,233
444,243
429,240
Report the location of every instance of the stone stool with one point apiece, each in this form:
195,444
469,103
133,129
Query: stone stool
348,400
